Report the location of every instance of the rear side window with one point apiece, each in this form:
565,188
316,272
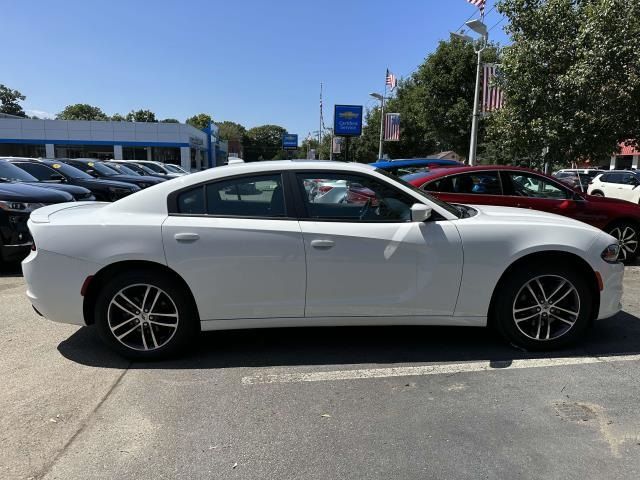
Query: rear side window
612,178
192,201
258,196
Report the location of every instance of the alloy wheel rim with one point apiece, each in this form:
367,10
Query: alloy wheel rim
546,308
143,317
628,240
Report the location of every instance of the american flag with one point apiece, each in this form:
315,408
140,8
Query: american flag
492,96
478,3
391,80
392,127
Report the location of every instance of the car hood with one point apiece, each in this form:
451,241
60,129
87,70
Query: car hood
72,189
519,216
28,193
137,179
108,183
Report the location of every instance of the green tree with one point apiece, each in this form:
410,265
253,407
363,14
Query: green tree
231,130
571,79
200,121
263,143
10,101
82,111
170,120
116,117
141,116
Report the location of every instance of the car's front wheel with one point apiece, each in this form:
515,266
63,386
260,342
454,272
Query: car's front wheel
144,316
543,306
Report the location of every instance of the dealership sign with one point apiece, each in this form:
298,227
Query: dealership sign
347,120
290,141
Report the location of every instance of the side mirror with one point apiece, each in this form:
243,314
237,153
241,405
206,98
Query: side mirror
56,177
420,212
92,172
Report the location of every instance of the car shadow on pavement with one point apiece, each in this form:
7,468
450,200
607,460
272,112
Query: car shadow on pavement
356,345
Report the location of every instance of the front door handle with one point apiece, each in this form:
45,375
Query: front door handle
322,244
186,237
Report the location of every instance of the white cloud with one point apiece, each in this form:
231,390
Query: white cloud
40,114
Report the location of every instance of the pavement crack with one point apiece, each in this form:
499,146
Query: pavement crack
83,425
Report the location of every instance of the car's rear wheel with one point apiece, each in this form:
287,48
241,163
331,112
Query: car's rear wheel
542,307
144,316
628,235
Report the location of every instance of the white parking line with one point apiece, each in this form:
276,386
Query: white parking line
447,369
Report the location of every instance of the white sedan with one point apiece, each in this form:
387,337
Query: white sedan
245,246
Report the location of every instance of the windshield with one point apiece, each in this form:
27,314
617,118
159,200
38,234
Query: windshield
68,170
102,169
122,169
452,209
154,167
9,172
174,168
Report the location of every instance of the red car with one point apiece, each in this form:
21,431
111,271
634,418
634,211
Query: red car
525,188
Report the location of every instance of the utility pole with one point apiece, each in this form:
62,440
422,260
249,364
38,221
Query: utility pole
477,26
321,123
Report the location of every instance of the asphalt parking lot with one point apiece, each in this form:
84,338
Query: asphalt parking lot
318,403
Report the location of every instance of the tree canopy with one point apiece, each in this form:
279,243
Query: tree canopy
82,111
141,116
571,79
10,101
231,130
200,121
263,143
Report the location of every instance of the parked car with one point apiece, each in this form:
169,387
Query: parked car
157,167
152,270
11,173
51,171
175,168
124,169
17,202
578,179
524,188
139,169
100,170
622,184
405,166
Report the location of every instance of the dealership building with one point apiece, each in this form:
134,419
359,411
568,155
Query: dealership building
176,143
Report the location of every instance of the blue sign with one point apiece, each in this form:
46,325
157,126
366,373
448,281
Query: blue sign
347,120
290,140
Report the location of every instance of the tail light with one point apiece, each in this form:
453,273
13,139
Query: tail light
324,188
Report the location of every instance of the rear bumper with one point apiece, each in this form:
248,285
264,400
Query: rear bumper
53,285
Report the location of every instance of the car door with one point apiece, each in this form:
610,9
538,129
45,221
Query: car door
627,187
612,185
528,190
365,258
235,244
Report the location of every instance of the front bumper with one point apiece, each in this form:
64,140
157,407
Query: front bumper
15,239
611,295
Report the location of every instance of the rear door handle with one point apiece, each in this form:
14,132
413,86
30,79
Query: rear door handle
322,244
186,237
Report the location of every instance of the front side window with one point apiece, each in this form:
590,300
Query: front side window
341,196
258,196
527,185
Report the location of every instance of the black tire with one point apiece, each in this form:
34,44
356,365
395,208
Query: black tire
626,233
513,294
173,297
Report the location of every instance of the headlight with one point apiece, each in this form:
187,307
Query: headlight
116,193
611,253
23,207
143,185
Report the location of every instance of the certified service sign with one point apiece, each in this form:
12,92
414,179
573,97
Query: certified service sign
347,120
290,141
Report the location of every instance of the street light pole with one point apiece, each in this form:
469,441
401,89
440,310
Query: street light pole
480,28
381,98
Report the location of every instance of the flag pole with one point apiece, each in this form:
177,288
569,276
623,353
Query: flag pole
473,144
382,116
320,129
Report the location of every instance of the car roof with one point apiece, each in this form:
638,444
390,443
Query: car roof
414,162
444,172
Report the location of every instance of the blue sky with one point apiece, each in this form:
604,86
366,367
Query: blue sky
249,61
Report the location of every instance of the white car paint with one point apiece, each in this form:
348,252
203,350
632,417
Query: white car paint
622,191
247,273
